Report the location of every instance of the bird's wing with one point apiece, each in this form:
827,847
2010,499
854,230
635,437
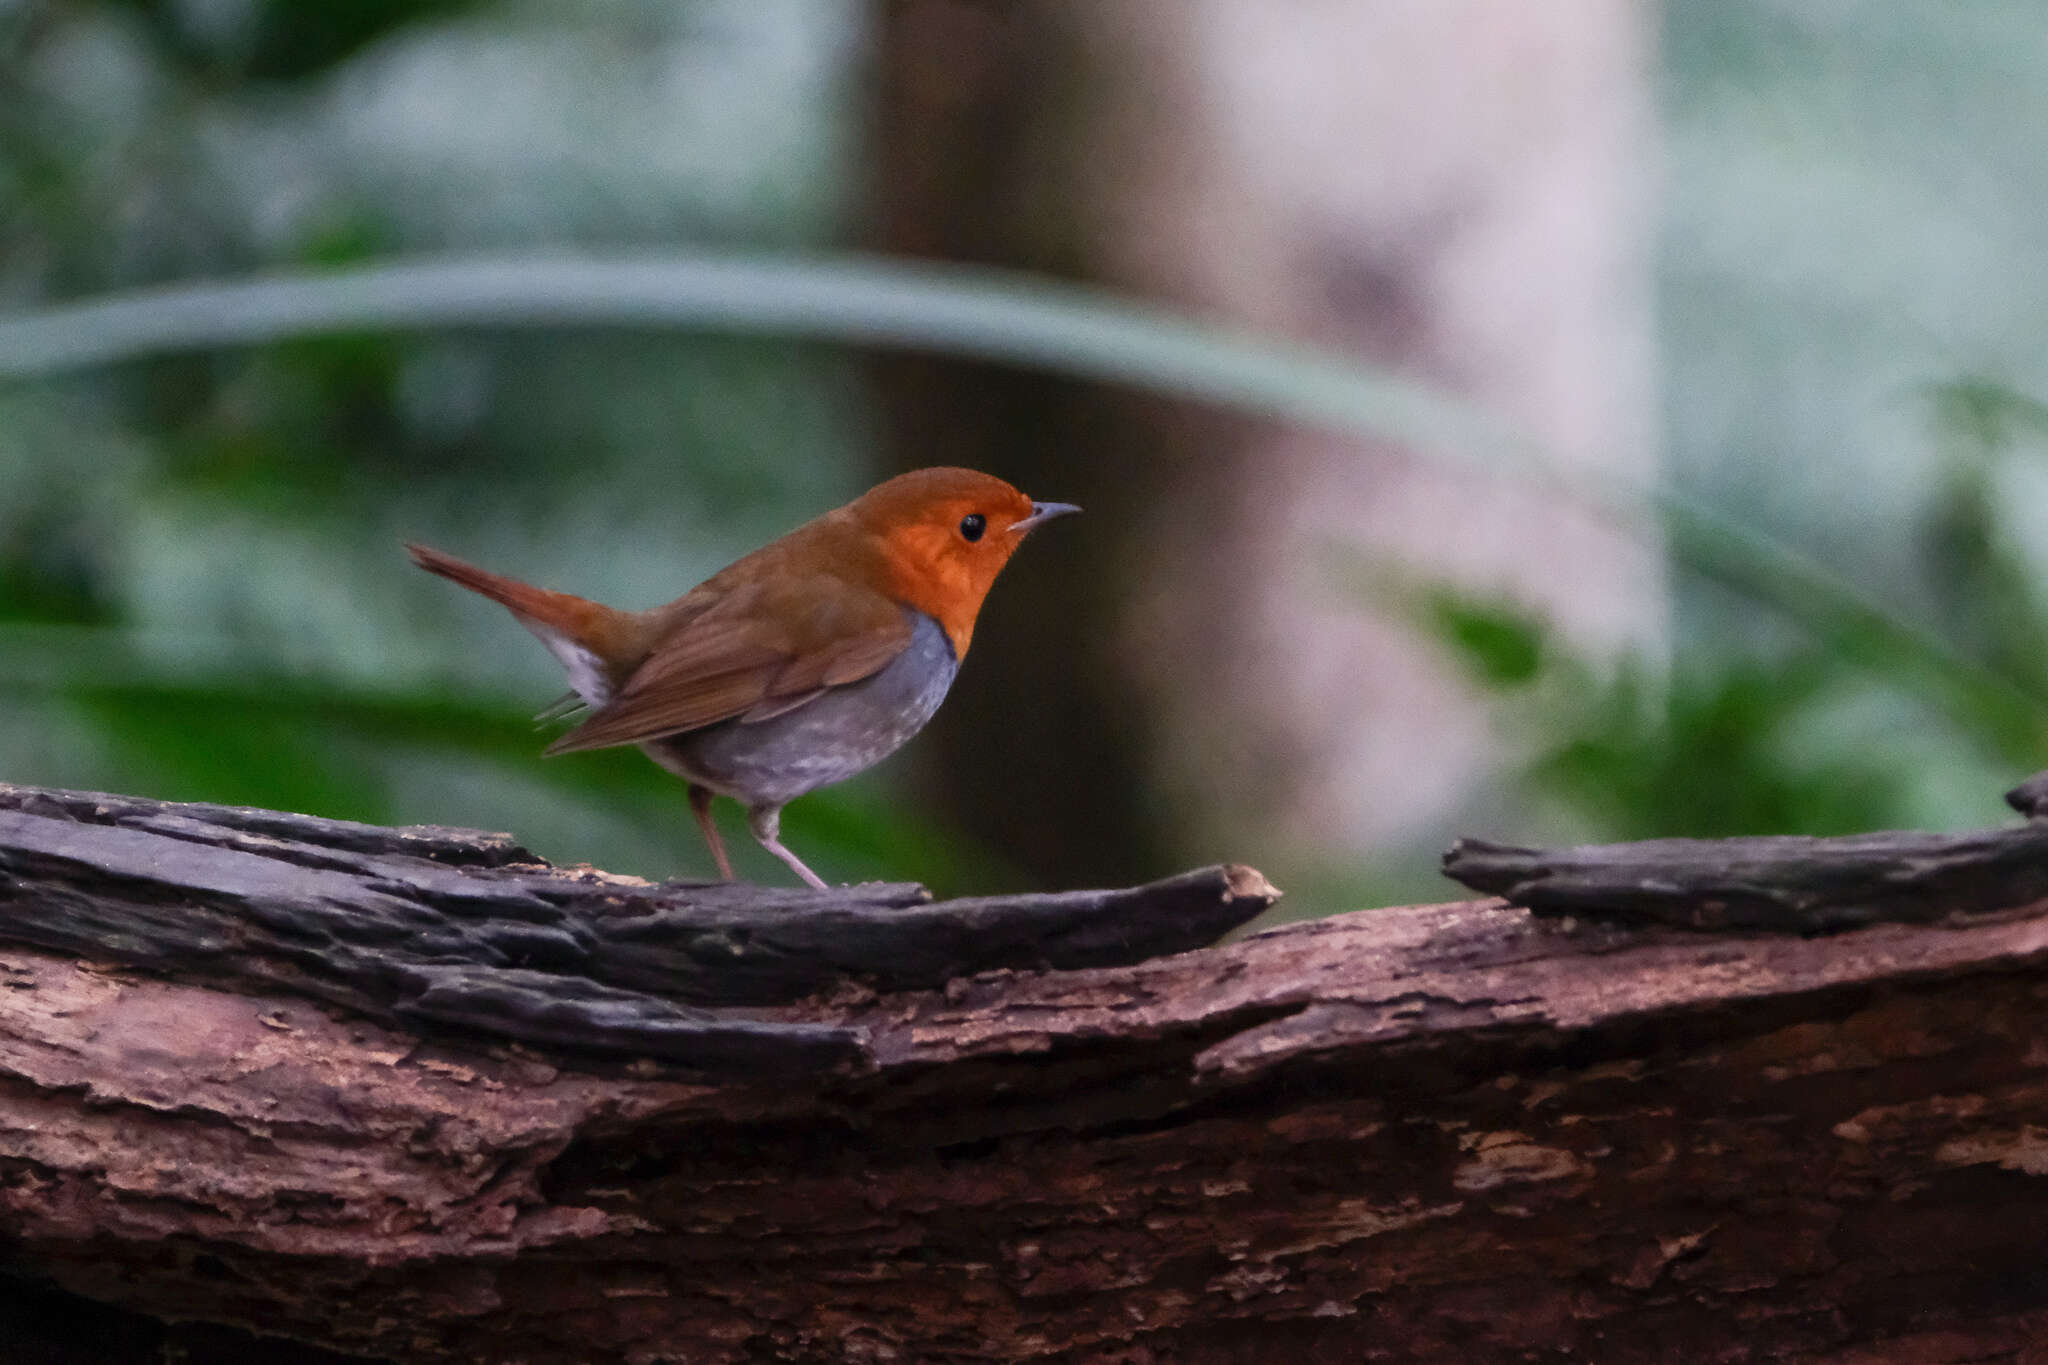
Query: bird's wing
763,649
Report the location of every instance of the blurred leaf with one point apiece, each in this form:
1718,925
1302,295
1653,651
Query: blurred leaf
180,750
43,579
961,310
1987,587
2004,714
1987,415
293,38
1500,645
1709,753
1714,747
279,39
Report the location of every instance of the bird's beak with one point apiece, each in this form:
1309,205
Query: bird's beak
1043,511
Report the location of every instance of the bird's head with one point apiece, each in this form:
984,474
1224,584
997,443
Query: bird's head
943,535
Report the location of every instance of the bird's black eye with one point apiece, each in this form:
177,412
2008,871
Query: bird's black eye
972,525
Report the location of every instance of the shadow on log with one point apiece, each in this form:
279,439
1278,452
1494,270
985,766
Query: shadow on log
1431,1133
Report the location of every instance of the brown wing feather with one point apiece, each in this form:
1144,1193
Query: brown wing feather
768,708
810,676
849,659
762,650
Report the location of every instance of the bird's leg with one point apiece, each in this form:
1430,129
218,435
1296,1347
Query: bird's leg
766,822
700,806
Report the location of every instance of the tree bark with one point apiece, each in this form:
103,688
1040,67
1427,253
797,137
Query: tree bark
1452,1132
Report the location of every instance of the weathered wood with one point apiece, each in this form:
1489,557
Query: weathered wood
1782,883
2030,798
469,931
1421,1134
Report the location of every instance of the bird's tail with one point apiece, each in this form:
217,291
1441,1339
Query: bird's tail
595,643
557,610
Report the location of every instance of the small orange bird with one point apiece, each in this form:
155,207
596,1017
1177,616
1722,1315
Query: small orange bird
812,658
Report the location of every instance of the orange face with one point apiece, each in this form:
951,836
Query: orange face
944,535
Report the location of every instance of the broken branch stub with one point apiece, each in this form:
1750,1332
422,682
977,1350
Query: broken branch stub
1781,883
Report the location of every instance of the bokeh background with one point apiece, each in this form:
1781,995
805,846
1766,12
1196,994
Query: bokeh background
1598,419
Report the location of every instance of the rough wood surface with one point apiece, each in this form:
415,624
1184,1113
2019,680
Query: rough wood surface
1783,883
1422,1134
2030,798
469,931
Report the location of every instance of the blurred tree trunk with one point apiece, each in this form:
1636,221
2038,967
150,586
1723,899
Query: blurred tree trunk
1453,188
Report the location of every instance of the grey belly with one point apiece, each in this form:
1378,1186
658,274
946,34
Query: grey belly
827,739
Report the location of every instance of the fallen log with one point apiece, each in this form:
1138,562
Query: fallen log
1432,1133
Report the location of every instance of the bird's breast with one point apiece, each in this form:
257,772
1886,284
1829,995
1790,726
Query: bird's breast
829,738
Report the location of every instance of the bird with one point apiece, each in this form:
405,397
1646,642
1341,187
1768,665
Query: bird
794,667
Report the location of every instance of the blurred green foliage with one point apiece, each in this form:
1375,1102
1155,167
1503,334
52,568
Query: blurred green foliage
215,532
1858,719
277,39
201,593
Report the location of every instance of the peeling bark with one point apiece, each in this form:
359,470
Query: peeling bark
1432,1133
